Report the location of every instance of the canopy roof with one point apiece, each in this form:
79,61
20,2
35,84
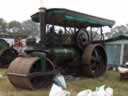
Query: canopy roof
69,18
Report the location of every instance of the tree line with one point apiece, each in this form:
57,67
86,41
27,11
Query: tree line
117,31
27,27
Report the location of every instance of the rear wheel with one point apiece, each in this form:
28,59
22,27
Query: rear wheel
94,61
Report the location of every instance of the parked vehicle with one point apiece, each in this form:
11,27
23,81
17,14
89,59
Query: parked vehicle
69,50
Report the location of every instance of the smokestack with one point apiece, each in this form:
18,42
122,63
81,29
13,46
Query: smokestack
42,18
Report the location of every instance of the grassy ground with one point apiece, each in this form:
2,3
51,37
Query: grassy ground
109,79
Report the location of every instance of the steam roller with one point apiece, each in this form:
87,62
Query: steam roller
69,51
37,71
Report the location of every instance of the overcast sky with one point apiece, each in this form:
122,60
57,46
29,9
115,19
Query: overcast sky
21,10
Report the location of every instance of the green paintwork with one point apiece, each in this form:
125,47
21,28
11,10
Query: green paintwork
63,54
86,20
41,64
3,45
81,20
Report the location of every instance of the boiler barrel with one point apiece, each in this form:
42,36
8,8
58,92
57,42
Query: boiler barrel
63,54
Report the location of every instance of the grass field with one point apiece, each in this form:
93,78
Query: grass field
109,79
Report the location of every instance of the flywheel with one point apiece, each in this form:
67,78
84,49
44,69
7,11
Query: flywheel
82,38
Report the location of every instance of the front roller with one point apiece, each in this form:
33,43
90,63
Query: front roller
27,73
94,60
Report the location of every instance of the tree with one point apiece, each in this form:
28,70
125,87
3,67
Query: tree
31,28
3,25
121,28
14,27
117,31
